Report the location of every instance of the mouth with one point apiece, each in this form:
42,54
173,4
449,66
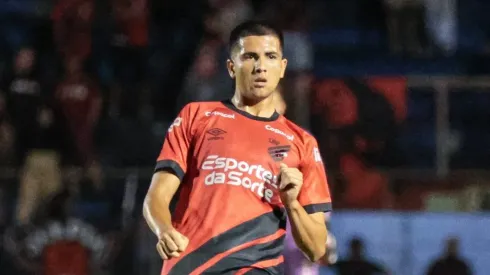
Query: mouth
260,82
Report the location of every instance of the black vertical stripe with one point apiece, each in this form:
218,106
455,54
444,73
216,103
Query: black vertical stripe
259,227
248,256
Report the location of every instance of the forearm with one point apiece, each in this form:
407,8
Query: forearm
157,214
156,208
309,235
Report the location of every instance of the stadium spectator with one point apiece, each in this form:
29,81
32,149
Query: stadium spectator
129,50
37,143
22,90
451,263
72,26
357,263
41,172
79,100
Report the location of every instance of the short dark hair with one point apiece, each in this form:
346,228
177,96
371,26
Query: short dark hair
252,28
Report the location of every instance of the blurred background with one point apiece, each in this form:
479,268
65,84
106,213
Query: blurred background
395,91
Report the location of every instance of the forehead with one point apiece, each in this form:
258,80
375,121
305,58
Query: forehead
259,43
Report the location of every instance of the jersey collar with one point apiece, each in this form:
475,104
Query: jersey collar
230,105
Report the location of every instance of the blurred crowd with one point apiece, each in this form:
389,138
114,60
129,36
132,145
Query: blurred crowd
82,77
90,85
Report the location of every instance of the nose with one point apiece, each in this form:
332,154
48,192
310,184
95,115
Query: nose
259,66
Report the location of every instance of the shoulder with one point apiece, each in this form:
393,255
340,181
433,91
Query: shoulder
202,106
200,109
198,112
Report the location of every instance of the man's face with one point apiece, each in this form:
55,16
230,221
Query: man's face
257,65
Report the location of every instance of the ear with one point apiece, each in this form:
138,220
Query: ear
231,68
284,64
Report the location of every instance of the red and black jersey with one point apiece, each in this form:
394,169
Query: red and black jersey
229,206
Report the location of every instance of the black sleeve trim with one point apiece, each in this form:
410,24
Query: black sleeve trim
172,165
318,207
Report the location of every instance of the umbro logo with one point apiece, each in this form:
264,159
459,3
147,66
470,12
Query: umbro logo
274,141
216,133
279,153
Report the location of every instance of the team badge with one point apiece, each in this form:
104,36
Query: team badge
279,153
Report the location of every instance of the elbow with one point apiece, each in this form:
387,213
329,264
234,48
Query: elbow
321,252
315,254
146,209
317,251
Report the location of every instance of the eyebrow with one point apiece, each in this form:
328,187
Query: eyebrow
273,52
255,53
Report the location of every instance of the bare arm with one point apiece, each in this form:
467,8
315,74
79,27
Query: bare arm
309,231
156,206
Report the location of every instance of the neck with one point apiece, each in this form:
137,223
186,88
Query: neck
261,108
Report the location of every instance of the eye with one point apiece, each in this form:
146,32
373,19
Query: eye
247,56
272,56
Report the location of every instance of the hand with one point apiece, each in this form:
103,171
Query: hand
290,182
171,243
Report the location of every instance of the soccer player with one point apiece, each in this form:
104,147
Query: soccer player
242,170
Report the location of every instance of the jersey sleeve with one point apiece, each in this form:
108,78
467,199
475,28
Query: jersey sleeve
314,195
175,149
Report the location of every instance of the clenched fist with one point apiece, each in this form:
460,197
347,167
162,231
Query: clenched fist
290,182
171,243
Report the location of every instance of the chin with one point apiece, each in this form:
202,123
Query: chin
260,93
